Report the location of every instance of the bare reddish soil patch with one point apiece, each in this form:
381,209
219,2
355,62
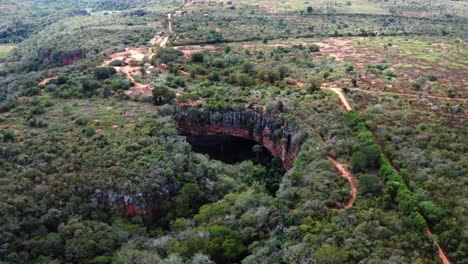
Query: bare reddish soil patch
46,80
191,49
127,57
339,48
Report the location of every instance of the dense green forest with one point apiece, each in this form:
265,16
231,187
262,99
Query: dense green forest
357,109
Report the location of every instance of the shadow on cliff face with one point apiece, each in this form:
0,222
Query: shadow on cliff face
235,136
275,134
267,171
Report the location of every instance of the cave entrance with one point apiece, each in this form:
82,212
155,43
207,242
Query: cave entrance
230,149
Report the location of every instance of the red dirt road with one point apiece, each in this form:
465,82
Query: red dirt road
46,80
345,173
340,94
442,255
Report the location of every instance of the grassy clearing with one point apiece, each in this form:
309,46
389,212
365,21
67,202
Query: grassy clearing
339,6
6,51
450,53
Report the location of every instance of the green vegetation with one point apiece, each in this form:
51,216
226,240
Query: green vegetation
93,168
6,51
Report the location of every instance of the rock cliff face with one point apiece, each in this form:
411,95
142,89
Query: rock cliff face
275,134
133,204
62,58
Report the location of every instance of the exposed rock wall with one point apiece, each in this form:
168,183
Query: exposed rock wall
133,204
275,134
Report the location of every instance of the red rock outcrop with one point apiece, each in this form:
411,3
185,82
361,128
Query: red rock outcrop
275,134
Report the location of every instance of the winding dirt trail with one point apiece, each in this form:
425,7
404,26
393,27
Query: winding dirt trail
169,19
443,257
46,80
163,44
342,97
345,173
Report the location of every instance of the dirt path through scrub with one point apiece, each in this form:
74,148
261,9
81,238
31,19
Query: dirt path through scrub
345,173
169,18
46,80
342,97
442,255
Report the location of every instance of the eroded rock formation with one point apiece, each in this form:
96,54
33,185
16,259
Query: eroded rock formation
133,204
274,133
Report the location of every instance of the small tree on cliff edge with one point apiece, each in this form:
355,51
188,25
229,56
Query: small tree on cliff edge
257,149
162,95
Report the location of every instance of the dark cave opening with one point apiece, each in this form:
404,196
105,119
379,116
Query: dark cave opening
230,149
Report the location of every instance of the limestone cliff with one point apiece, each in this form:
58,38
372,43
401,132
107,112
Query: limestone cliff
274,133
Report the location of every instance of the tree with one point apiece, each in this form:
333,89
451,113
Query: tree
358,162
257,149
283,71
102,73
310,9
214,76
167,55
162,95
198,57
189,199
431,211
372,153
369,183
79,249
247,67
328,254
89,87
314,84
8,136
243,79
314,48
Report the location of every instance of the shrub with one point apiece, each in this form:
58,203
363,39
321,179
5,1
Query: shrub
81,121
331,254
102,73
314,48
116,63
167,55
162,95
89,131
369,183
214,76
198,57
432,78
415,85
358,162
8,136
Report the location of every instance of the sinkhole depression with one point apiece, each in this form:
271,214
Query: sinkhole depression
230,149
230,136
